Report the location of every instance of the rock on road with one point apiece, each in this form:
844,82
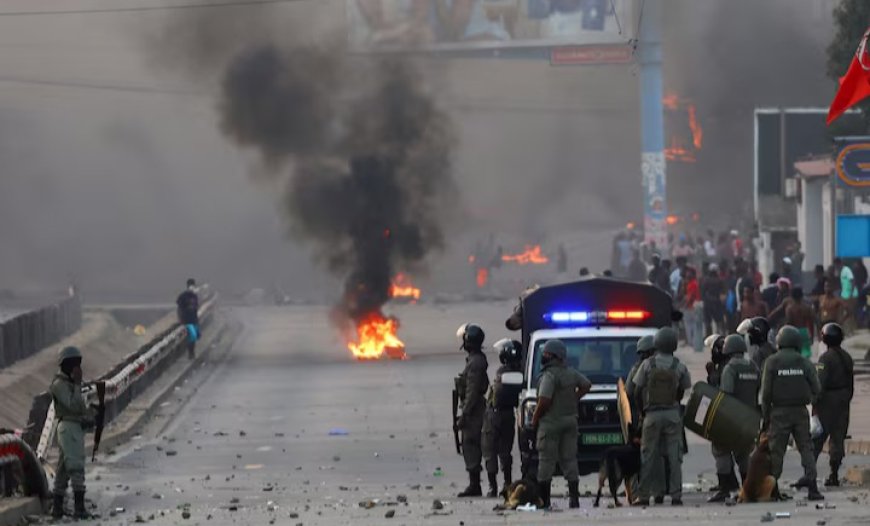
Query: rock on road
286,429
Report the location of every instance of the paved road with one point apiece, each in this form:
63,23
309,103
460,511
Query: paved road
247,440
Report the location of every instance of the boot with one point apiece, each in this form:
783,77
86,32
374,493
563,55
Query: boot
544,489
473,489
813,492
493,486
659,499
57,507
573,494
644,502
80,512
834,478
777,495
724,492
507,483
802,483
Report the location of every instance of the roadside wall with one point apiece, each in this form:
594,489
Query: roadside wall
28,333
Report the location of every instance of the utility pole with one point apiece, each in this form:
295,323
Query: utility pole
652,122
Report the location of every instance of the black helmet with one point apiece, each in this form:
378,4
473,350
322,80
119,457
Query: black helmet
471,336
758,331
509,351
832,335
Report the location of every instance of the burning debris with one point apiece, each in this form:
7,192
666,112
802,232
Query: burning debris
683,147
363,155
403,288
530,255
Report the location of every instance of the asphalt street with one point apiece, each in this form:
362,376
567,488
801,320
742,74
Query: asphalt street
287,429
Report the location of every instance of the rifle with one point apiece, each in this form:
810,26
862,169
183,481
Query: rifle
100,420
456,438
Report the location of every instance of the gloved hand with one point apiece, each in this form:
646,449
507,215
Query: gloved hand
460,422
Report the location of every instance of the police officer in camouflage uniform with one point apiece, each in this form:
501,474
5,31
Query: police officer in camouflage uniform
74,418
645,348
789,383
837,378
473,383
555,419
499,424
740,379
664,380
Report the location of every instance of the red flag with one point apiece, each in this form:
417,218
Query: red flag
855,84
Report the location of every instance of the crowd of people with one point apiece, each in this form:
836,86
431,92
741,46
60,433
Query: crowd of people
715,282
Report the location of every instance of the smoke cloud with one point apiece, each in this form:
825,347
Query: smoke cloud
361,152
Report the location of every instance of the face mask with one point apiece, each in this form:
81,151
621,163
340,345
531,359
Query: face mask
546,359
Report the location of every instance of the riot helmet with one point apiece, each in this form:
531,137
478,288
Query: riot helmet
832,334
471,336
509,351
713,344
666,340
646,345
734,344
789,338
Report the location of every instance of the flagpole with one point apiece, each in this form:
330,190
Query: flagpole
653,169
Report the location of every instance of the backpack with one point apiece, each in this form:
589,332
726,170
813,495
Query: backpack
661,388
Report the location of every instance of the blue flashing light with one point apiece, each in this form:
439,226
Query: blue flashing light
568,317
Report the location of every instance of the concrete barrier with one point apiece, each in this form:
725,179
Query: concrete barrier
28,333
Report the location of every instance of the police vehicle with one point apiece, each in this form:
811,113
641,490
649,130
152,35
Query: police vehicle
600,321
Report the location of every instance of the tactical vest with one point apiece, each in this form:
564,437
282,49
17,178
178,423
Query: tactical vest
790,385
746,383
661,385
507,396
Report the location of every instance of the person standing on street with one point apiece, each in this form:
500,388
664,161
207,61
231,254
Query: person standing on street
499,423
555,420
472,385
645,349
790,383
837,378
740,379
832,308
187,305
664,380
74,418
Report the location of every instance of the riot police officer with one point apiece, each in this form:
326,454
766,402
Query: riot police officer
740,379
499,422
645,348
836,376
74,418
472,383
555,419
664,380
789,383
714,344
758,331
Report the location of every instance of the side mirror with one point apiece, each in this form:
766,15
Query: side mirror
512,378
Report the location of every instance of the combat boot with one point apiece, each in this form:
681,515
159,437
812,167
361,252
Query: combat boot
57,507
493,485
813,492
573,494
833,480
473,489
79,511
660,499
802,483
544,489
724,492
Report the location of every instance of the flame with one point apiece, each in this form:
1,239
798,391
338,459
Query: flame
678,152
672,220
532,254
403,288
671,101
376,336
697,131
482,277
678,148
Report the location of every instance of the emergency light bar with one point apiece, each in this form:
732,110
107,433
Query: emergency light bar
583,317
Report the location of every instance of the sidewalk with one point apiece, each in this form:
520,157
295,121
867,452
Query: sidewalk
103,341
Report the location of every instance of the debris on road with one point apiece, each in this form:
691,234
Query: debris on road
390,514
437,505
338,432
767,517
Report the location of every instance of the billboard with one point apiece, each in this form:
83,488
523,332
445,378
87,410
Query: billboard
853,236
853,161
456,25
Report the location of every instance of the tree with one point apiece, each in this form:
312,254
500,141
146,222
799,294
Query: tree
851,20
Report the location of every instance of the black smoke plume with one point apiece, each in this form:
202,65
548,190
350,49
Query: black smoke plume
361,151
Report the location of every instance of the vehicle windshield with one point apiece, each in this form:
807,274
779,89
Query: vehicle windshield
602,360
